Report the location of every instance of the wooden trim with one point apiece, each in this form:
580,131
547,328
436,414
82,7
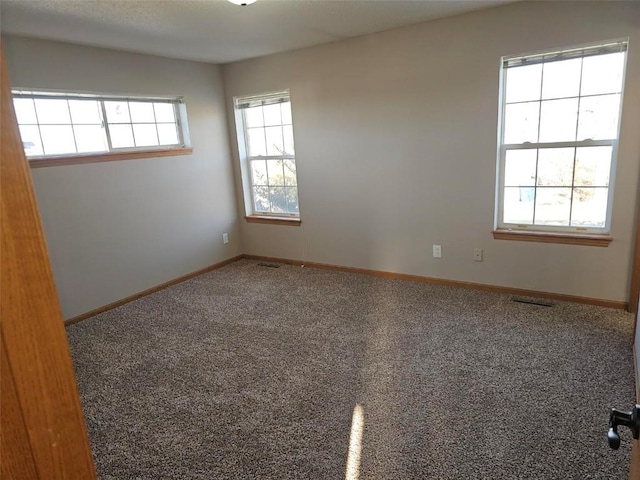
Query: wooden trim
149,291
452,283
634,467
339,268
592,240
14,438
37,385
58,161
634,293
291,221
636,373
288,261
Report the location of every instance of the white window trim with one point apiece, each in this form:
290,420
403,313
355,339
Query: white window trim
179,107
499,224
245,158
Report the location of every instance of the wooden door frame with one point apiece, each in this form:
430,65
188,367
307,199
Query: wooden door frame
634,294
42,432
634,467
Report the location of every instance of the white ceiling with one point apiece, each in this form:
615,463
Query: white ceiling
216,30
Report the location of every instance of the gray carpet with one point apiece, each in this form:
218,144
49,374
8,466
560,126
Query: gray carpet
254,372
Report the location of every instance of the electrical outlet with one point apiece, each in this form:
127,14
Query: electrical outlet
437,251
477,254
225,238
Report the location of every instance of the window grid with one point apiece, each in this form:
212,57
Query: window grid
35,110
575,144
103,122
39,124
73,130
103,112
264,134
535,180
535,186
132,123
291,206
575,150
563,98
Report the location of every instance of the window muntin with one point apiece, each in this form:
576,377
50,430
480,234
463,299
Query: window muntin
558,138
267,132
53,124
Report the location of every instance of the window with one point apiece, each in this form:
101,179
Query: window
559,138
53,124
265,137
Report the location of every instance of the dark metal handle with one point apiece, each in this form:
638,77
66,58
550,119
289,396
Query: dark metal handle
627,419
613,438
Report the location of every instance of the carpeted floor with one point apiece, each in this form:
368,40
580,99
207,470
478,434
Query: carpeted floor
255,372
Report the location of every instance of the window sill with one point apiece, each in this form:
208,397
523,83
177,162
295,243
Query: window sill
39,162
290,221
593,240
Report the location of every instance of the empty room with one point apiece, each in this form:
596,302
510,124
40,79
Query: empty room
320,239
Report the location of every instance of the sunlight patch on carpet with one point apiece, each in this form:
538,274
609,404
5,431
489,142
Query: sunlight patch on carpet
355,444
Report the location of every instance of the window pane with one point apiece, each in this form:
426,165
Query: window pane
117,112
553,206
90,138
593,166
521,123
288,140
121,136
518,205
290,172
272,115
31,140
261,199
25,111
520,168
578,100
164,112
145,134
85,112
256,145
275,142
52,112
253,117
57,139
168,134
523,83
555,166
602,74
259,172
558,119
275,171
589,207
278,198
141,112
286,113
561,79
292,200
599,117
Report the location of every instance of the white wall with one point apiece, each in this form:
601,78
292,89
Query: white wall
396,148
114,229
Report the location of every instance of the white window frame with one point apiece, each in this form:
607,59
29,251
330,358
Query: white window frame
541,57
179,111
246,158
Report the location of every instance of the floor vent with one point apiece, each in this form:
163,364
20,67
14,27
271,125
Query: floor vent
533,301
270,265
